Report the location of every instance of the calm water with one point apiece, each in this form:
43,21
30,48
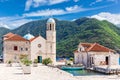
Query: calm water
58,59
83,72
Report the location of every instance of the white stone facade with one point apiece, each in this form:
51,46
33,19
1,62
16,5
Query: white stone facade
91,56
37,47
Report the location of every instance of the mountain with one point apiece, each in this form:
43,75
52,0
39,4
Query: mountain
2,32
71,33
118,25
91,30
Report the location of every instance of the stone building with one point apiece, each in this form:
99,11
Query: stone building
94,54
36,47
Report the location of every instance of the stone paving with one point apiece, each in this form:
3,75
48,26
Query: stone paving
44,73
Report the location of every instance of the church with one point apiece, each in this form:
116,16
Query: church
36,47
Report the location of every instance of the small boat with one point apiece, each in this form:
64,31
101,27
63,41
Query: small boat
71,68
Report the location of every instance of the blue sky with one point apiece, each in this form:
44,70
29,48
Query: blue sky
14,13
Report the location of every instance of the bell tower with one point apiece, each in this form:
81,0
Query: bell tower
51,39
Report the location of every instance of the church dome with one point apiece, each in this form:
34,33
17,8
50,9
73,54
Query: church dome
28,36
50,20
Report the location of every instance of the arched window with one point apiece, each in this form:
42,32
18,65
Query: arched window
50,26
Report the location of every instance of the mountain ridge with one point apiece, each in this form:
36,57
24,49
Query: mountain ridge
71,33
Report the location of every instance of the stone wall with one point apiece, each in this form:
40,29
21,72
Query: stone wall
9,54
99,58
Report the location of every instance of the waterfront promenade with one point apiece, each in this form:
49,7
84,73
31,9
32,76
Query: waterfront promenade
44,73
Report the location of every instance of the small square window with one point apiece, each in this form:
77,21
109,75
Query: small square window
15,48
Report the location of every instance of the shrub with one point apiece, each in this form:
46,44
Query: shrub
68,64
22,56
35,61
9,62
71,59
47,61
26,61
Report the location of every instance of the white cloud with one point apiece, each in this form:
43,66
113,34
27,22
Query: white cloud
97,1
67,10
51,2
75,8
3,25
113,18
46,12
37,3
28,4
73,19
72,8
12,22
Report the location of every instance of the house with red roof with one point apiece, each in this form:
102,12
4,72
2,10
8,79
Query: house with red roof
37,47
94,54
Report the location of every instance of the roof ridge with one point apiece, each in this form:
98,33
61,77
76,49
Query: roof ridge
33,38
97,44
105,47
92,45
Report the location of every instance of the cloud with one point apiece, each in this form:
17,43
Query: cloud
48,12
72,8
97,1
75,9
37,3
67,10
12,22
113,18
51,2
3,25
28,4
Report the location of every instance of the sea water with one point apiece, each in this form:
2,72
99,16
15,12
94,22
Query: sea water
83,72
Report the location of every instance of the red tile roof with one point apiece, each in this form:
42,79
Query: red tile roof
86,45
13,37
8,35
99,48
95,47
